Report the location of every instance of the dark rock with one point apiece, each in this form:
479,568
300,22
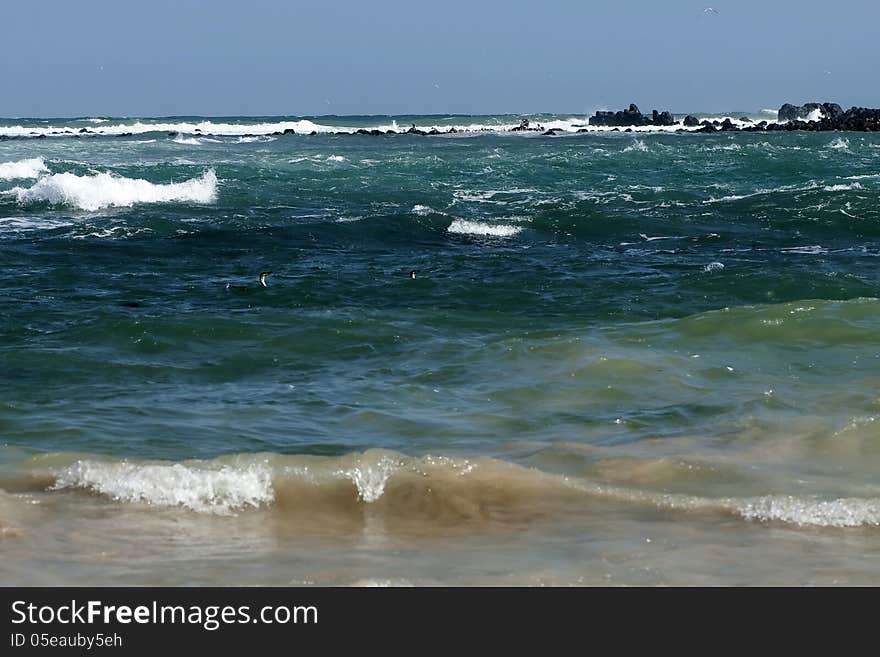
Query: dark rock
728,125
708,127
433,131
376,132
789,112
745,119
664,118
628,117
361,131
832,110
523,126
691,121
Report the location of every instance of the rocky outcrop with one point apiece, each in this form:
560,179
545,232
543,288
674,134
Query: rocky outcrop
691,121
809,111
632,117
822,117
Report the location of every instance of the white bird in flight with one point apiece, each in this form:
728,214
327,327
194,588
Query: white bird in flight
710,10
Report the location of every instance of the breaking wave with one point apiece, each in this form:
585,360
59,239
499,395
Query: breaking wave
104,190
428,488
464,227
30,168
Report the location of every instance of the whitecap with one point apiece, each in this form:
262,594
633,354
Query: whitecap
188,141
842,188
214,490
108,190
637,145
464,227
30,168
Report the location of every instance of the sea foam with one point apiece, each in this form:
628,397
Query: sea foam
30,168
464,227
218,490
108,190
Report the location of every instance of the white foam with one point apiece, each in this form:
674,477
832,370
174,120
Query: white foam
637,145
212,490
714,266
31,168
815,115
188,141
370,478
20,224
304,126
839,144
108,190
842,188
843,512
723,147
251,140
335,158
464,227
422,210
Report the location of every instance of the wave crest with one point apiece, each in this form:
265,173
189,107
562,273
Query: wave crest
212,490
104,190
327,491
464,227
30,168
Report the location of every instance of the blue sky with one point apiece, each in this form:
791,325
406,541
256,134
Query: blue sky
277,57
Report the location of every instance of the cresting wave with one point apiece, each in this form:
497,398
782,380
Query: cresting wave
463,227
104,190
436,489
29,168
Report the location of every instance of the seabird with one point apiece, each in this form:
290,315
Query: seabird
710,10
263,274
413,273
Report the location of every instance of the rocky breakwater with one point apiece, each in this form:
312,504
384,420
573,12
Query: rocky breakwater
632,117
825,117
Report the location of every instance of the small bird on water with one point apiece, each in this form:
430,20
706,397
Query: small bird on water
413,273
263,275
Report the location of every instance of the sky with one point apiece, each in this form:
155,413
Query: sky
67,58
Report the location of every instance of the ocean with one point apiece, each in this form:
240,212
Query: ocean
647,358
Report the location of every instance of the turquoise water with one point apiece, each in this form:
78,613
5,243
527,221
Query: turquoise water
608,333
